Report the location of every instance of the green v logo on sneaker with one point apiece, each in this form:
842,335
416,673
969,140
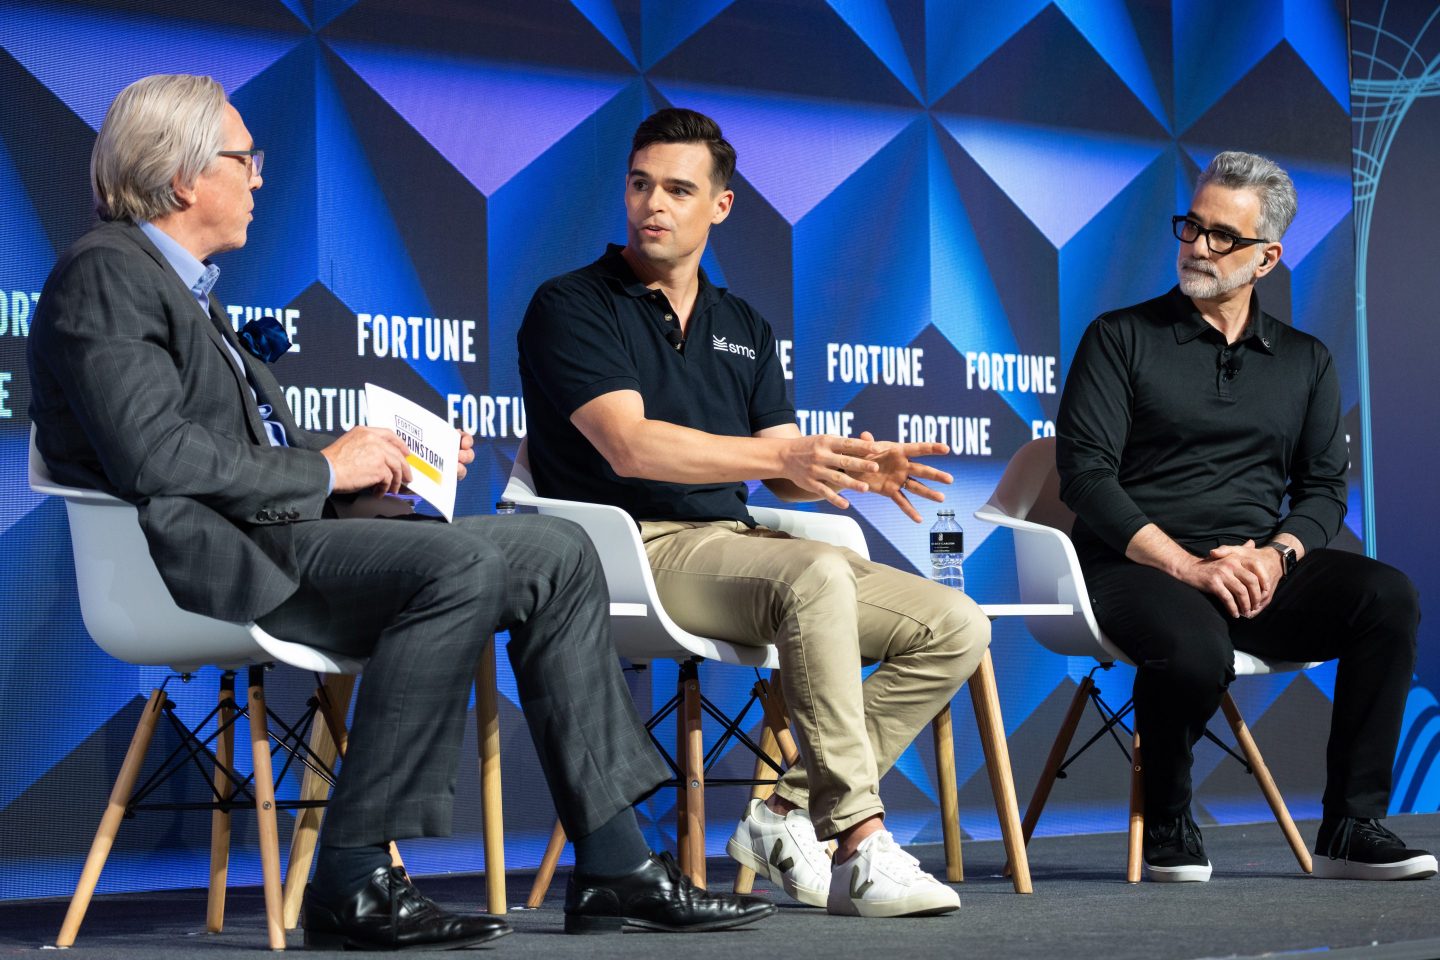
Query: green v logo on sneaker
856,892
775,860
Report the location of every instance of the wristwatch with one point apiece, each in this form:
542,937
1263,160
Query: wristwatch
1287,554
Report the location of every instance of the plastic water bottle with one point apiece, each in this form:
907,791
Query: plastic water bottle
947,551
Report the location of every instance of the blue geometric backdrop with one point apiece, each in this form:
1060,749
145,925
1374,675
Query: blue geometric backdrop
933,200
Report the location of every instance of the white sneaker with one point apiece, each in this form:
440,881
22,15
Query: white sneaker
784,849
882,880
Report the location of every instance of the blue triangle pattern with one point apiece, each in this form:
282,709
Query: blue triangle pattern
1211,54
27,254
1318,36
872,23
669,24
1059,178
1107,25
602,16
498,133
959,36
49,41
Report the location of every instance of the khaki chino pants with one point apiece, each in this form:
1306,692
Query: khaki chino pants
827,609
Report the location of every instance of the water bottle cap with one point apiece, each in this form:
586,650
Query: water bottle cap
504,505
946,513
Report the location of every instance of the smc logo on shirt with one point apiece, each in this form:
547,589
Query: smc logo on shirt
722,344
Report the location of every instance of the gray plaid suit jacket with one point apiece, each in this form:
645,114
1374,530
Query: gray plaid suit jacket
133,392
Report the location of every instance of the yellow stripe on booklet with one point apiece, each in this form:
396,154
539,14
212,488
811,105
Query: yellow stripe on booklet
433,445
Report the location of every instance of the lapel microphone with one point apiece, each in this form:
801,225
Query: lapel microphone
675,336
1229,366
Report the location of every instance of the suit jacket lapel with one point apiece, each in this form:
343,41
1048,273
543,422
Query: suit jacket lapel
221,333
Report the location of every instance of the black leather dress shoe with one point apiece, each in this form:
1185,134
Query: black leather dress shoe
654,897
388,913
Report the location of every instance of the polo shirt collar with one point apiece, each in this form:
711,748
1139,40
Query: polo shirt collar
1189,324
616,268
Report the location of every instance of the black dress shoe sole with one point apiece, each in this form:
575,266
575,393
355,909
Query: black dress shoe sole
583,924
340,941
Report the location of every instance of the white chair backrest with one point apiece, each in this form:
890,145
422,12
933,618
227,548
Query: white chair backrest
128,609
1027,501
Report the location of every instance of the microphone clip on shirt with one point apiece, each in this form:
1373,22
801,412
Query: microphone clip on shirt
675,337
1229,361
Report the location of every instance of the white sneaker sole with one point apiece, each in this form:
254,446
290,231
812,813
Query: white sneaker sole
1416,868
742,854
1185,874
929,903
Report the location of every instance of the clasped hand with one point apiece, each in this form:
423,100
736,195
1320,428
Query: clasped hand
1243,576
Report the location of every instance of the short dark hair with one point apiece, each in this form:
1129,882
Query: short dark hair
678,125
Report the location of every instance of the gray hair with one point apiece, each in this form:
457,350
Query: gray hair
159,128
1250,171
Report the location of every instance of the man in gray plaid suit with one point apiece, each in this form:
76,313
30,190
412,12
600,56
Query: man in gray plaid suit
141,389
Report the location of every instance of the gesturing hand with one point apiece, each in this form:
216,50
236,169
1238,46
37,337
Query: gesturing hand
368,458
897,473
824,464
467,454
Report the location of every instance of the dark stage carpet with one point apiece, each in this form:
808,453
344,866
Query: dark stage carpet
1258,904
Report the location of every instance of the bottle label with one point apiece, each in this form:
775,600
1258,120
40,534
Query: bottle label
947,542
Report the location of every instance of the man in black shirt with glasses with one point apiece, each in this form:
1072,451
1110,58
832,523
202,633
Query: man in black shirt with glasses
1185,422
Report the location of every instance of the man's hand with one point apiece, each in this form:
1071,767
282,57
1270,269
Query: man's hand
1244,577
369,458
824,465
467,454
899,474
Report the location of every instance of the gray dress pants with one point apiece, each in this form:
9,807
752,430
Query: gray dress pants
422,598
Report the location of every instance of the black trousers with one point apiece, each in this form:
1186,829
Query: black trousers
422,599
1334,605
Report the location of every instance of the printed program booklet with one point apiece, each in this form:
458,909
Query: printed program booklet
434,445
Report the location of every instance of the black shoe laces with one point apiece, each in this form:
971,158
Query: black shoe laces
1354,828
1182,832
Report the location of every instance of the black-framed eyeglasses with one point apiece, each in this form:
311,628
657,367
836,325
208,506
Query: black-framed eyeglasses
254,159
1219,241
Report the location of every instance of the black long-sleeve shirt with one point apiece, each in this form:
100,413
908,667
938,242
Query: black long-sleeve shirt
1162,422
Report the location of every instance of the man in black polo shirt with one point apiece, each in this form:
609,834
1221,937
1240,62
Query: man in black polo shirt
651,389
1184,423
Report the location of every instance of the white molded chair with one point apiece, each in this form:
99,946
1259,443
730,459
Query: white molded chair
130,614
643,631
1027,502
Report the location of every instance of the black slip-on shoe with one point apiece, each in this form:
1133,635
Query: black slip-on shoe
656,896
1350,848
1175,850
389,913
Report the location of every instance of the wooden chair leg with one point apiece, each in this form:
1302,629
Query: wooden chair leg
1266,782
777,719
986,697
744,876
1137,812
546,873
942,729
1052,763
265,809
220,819
327,739
110,822
692,765
487,728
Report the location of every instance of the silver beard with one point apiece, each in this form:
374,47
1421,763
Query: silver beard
1212,285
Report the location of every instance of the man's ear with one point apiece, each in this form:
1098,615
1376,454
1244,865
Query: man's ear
185,193
1269,258
722,206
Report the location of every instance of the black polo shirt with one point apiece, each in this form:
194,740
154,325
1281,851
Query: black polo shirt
1160,421
598,330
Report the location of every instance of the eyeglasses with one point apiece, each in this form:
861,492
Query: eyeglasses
1219,241
254,159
